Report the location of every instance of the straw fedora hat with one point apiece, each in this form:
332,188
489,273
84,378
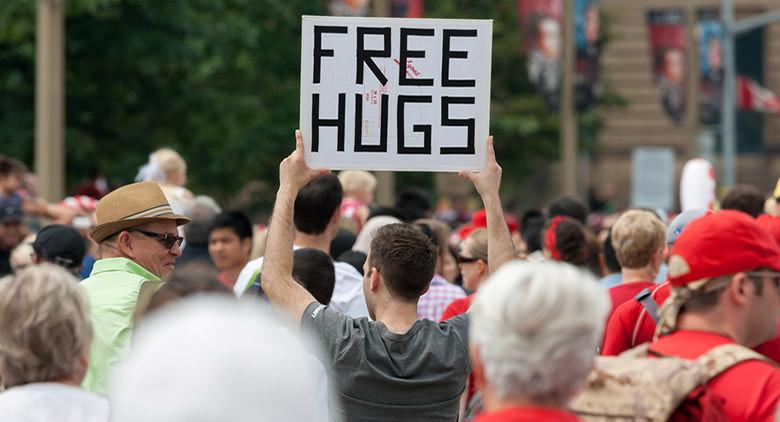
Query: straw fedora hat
131,206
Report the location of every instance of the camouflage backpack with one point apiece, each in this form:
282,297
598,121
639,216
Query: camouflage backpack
637,388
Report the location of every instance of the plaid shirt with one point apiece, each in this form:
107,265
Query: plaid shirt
440,294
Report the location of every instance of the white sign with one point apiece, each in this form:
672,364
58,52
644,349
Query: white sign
653,178
395,94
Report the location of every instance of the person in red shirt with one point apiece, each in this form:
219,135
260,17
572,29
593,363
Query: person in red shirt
533,336
638,237
473,263
724,277
631,324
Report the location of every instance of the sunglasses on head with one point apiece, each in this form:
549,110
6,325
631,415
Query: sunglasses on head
773,275
166,239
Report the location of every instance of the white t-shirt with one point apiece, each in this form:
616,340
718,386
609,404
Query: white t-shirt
347,293
49,401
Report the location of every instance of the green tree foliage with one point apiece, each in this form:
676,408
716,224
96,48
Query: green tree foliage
218,81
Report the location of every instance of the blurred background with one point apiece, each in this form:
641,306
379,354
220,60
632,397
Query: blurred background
605,100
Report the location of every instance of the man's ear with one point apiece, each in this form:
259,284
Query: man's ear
740,289
374,279
124,243
246,245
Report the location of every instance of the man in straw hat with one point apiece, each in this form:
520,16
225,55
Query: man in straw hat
139,242
725,278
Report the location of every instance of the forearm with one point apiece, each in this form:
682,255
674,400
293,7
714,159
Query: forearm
277,281
500,247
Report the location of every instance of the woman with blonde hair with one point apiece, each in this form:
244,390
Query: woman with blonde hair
169,169
358,186
45,337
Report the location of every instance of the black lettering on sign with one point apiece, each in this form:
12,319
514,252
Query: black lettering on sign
367,56
319,53
406,53
359,145
468,123
317,122
424,129
447,54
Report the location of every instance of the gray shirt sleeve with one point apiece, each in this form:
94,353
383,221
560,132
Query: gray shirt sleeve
332,329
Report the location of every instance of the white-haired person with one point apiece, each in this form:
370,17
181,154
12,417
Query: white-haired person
45,338
210,359
169,169
359,189
533,337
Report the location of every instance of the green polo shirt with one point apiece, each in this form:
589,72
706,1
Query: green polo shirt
113,290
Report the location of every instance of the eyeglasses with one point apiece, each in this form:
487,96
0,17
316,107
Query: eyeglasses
166,239
466,259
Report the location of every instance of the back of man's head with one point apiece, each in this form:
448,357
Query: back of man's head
531,231
313,269
201,213
315,204
236,221
406,259
745,198
568,207
414,203
637,236
529,320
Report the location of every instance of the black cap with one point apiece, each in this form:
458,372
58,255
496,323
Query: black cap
10,208
61,245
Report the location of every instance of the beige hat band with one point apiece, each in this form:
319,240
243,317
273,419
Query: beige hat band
157,211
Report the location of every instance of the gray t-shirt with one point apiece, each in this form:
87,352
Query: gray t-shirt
377,375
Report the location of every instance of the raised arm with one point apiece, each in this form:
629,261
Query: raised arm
277,281
487,183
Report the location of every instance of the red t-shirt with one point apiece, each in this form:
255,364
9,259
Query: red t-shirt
457,307
630,326
748,391
626,291
527,414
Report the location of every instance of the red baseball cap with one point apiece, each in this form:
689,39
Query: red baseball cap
722,243
771,224
479,220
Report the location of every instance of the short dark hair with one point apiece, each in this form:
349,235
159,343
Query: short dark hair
745,198
316,202
610,256
414,203
353,258
569,207
313,269
531,233
405,258
233,220
10,165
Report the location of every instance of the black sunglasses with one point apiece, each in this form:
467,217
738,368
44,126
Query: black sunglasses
166,239
466,259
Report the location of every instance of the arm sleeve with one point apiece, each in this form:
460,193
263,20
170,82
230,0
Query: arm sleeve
333,330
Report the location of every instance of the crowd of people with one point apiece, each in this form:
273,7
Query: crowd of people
149,303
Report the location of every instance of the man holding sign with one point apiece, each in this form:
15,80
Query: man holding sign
395,94
395,367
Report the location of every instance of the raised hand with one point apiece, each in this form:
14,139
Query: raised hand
293,171
488,180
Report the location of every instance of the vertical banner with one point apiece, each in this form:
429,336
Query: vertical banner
349,7
542,35
407,8
710,34
395,94
586,34
669,41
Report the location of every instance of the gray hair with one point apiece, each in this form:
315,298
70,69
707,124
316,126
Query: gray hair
45,328
211,359
536,327
201,211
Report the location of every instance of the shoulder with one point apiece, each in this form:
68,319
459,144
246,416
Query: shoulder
246,276
346,271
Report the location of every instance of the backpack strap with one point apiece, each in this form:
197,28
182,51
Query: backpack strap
723,357
645,298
